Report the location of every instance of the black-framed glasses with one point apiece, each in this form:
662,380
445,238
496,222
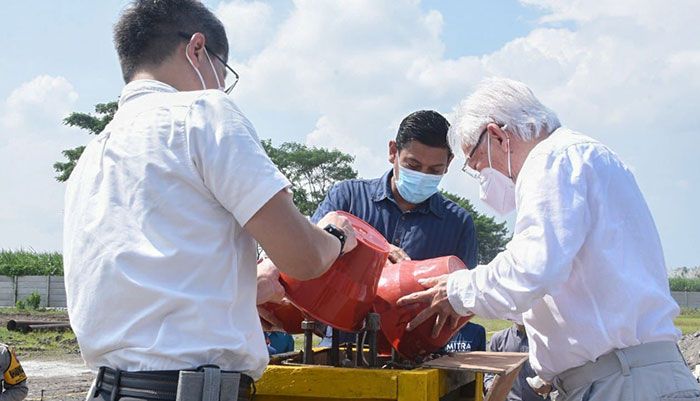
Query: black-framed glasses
229,88
466,168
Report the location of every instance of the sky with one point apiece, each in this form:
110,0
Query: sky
342,74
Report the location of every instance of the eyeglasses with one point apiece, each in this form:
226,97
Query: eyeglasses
466,168
229,88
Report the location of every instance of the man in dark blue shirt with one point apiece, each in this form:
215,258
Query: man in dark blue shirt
514,339
404,205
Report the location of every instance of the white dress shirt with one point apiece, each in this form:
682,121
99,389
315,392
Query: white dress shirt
585,265
160,274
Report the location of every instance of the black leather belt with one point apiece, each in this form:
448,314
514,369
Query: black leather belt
157,385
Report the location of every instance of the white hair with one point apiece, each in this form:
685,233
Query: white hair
500,101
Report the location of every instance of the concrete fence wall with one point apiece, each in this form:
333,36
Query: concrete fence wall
687,299
50,289
53,292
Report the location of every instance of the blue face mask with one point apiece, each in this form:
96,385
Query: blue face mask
415,187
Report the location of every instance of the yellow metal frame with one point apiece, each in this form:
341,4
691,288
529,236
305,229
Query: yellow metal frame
315,383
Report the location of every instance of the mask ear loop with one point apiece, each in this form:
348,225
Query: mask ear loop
488,150
503,128
488,146
510,173
204,86
218,83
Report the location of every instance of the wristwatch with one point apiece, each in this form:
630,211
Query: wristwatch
338,233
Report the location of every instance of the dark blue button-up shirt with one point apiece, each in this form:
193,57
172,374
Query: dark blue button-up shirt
437,227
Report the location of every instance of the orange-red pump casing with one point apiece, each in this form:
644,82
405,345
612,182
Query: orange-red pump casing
401,279
343,295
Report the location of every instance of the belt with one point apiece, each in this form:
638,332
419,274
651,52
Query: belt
159,385
615,361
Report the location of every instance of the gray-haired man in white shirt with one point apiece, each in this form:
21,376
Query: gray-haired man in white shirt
585,265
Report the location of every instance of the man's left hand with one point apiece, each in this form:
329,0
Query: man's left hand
436,296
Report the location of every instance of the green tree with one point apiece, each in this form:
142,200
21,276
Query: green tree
94,124
311,170
492,236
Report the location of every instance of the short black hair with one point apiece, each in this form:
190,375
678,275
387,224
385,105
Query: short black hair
147,32
425,126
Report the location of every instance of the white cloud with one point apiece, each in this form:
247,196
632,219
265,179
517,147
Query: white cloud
32,140
39,102
248,25
350,63
624,72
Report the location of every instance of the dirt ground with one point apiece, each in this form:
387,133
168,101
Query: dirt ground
66,379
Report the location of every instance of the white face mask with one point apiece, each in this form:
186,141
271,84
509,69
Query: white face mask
497,190
204,86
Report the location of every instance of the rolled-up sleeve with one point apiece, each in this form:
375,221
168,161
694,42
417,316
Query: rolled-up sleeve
228,156
551,225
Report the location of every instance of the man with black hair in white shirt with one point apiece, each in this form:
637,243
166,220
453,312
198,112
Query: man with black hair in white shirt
162,215
585,266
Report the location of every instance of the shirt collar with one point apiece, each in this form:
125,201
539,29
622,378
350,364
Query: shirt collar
141,87
382,191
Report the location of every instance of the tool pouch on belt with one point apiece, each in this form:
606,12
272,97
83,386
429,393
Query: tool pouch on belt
208,383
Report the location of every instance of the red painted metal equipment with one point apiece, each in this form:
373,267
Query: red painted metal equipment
343,295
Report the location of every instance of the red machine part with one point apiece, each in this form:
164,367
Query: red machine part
290,316
343,295
401,279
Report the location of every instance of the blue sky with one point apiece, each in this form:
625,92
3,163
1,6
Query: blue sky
343,74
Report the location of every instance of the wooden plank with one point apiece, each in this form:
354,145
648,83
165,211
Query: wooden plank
502,384
480,361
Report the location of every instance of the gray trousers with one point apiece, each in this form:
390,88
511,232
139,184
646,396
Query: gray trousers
647,372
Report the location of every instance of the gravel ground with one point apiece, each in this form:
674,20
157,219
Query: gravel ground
690,347
66,379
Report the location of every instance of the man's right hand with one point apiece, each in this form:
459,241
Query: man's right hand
397,255
344,224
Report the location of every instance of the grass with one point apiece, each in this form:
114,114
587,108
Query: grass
38,344
28,262
38,313
688,321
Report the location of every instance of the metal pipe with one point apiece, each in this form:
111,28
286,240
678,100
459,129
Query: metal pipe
372,324
335,347
308,327
358,350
